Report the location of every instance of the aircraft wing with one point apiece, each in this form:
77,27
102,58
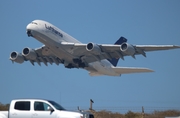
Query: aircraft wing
132,50
93,52
42,54
87,52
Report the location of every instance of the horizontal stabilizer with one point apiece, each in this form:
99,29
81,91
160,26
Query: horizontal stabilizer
94,74
128,70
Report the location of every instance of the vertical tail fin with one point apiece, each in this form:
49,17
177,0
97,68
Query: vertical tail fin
121,40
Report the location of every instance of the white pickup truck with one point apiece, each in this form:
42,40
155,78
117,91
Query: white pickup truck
39,108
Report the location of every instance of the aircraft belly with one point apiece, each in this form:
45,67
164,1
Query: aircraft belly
54,46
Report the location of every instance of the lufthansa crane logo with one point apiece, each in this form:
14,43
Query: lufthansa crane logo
53,30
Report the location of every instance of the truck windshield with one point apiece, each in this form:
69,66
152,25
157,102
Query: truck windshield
56,105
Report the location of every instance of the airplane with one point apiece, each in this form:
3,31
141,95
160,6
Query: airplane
98,59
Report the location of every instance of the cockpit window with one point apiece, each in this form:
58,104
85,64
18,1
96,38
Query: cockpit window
33,23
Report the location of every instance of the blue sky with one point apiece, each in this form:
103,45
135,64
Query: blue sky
102,22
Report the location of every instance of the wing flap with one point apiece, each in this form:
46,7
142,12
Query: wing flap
38,55
128,70
44,55
45,60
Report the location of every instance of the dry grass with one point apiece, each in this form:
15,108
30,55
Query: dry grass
130,114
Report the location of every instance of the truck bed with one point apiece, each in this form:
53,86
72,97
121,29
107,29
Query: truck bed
3,114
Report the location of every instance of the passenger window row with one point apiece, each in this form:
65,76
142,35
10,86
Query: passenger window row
25,106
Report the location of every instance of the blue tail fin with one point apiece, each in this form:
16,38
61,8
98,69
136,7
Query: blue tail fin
114,61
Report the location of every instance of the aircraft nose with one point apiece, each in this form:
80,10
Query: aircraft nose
28,26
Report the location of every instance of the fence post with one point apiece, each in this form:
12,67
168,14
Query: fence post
142,112
91,102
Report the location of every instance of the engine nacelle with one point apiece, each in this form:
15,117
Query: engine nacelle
93,48
17,57
127,49
29,53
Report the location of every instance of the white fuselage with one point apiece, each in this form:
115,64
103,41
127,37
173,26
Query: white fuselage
52,37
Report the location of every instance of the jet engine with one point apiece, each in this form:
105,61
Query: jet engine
93,48
29,53
17,57
127,49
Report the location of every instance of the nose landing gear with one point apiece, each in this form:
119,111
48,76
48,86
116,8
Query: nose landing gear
29,33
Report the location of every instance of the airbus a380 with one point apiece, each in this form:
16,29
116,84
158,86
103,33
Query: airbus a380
98,59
